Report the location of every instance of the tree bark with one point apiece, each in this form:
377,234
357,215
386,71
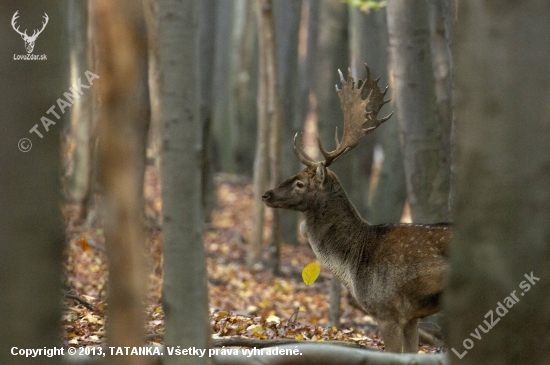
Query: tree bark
31,228
426,173
151,21
224,127
246,91
81,111
501,209
261,171
274,115
185,296
441,23
122,68
332,54
387,199
207,33
287,15
362,37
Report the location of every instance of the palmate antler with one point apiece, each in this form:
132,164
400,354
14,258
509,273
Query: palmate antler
360,107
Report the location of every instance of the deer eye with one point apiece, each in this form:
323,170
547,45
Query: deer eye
300,184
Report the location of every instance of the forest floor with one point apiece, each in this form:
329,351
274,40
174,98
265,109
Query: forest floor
243,303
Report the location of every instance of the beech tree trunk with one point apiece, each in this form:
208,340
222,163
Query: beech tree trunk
441,24
427,174
207,33
287,27
261,155
81,111
122,68
332,54
31,226
361,37
185,295
501,245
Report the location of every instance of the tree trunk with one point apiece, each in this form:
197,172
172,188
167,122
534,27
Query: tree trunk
81,111
441,22
224,130
307,64
360,38
122,68
501,240
265,115
287,27
151,20
388,196
31,228
274,113
207,33
427,174
185,295
332,54
247,91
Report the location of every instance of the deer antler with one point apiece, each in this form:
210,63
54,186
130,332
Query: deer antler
360,107
13,19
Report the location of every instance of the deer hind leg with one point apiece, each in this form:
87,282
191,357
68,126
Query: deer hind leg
410,334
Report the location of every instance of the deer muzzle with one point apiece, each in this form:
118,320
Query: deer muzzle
267,197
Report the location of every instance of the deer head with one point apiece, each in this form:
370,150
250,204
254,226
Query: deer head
29,40
360,106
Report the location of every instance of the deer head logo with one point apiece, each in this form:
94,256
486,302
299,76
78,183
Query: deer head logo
29,40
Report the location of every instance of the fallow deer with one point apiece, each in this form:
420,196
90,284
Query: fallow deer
396,272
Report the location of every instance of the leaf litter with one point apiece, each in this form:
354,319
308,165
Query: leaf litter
243,303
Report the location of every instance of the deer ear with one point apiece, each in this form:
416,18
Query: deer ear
321,173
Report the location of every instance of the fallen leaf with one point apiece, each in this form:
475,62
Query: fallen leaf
311,273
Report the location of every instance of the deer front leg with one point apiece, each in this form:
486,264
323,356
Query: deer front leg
399,338
392,334
410,333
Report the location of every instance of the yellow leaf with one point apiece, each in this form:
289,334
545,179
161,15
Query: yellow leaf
258,329
311,273
299,337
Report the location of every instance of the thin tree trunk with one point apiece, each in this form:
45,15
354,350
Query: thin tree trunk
151,19
207,33
223,128
274,115
307,62
185,295
426,172
387,199
441,20
333,52
247,91
501,277
31,226
361,38
81,111
265,114
287,26
122,68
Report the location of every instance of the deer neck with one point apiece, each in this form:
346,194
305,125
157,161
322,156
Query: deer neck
331,214
332,226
